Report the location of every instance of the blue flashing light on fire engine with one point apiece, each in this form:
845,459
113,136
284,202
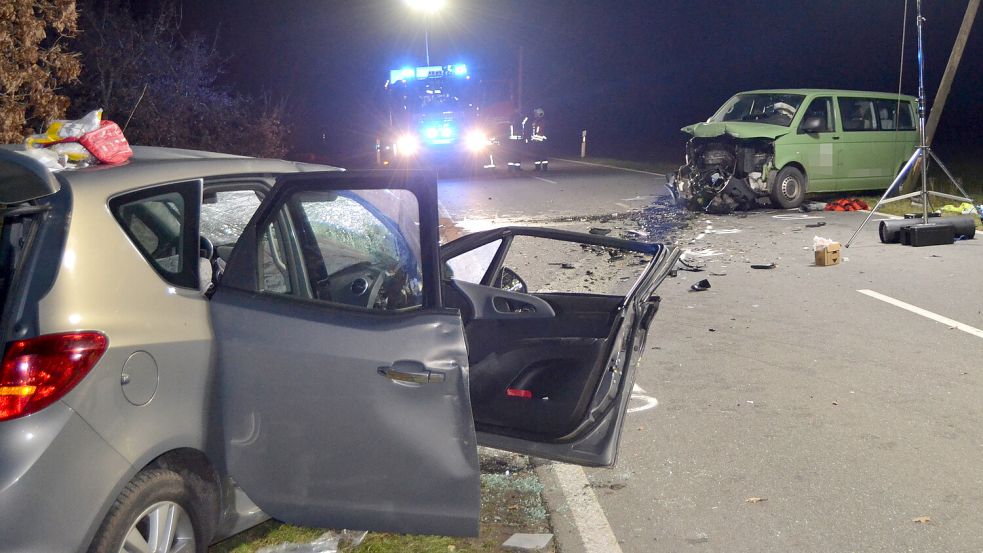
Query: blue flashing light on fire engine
427,72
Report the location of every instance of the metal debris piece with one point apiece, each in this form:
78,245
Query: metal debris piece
599,231
764,265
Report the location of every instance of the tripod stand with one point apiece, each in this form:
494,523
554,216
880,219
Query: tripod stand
922,153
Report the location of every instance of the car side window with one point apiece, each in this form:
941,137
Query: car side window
472,265
820,108
273,269
356,248
857,114
224,214
162,222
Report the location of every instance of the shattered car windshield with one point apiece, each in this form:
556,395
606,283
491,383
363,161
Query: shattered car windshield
773,109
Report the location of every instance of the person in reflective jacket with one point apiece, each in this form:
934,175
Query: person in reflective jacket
517,141
538,140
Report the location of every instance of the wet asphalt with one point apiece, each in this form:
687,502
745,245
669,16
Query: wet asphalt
794,413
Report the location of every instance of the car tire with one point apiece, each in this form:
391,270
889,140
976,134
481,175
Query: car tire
789,189
152,497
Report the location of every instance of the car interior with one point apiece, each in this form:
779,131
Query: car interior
536,359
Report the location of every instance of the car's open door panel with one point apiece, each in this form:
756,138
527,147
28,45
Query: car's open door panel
339,416
552,373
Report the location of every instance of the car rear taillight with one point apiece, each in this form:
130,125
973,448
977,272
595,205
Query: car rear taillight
40,371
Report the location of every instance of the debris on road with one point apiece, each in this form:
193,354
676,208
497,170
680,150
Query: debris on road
599,231
756,500
328,542
771,265
528,542
701,286
816,225
845,204
812,206
922,520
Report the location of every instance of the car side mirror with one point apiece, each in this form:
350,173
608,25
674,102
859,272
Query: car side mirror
812,125
509,281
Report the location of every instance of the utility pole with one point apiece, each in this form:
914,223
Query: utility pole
518,92
946,84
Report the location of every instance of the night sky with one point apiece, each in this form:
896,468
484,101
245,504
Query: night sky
631,72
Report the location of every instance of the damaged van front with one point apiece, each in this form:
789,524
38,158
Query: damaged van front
779,144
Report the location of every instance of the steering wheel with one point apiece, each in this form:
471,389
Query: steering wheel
357,284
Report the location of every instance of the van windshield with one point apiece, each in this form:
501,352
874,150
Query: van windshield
770,108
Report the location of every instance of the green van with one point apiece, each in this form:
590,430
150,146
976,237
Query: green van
783,143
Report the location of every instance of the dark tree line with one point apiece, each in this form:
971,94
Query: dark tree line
143,71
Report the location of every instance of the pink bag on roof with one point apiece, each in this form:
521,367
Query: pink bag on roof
107,143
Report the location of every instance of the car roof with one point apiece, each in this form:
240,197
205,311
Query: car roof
151,165
830,91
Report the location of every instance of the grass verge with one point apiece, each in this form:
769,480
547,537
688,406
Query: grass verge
511,502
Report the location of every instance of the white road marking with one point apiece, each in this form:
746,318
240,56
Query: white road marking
639,394
593,527
545,180
924,313
613,167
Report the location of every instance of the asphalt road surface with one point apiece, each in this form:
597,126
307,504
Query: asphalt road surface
799,408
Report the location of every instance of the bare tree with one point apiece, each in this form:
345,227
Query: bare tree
169,83
34,63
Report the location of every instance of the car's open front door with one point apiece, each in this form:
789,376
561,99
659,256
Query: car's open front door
552,371
341,380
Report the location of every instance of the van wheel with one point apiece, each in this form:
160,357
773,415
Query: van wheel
789,188
156,512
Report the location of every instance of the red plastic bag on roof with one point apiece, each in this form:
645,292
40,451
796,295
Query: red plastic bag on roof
107,143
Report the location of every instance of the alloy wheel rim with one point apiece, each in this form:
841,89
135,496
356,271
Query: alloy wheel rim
163,527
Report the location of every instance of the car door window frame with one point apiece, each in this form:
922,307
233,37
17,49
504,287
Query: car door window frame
247,251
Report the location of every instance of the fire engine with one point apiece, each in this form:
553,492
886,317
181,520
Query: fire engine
441,116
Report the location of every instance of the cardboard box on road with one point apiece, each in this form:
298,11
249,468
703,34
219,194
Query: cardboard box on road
828,255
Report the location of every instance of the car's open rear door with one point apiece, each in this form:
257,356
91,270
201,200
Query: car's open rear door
341,381
551,373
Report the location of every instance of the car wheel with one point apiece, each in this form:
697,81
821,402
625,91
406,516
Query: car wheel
155,513
789,188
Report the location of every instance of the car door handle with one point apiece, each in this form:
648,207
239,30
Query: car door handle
411,372
835,138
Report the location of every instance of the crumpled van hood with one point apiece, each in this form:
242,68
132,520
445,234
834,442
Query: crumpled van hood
736,129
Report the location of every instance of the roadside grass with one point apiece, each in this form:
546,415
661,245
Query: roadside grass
268,534
511,502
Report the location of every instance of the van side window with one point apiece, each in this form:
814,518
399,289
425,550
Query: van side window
857,114
820,108
894,115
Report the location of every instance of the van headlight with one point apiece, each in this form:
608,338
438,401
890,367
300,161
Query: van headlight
476,141
407,145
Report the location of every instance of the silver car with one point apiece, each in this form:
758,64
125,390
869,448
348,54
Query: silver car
194,342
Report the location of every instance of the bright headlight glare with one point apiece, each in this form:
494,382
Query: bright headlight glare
407,145
476,141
